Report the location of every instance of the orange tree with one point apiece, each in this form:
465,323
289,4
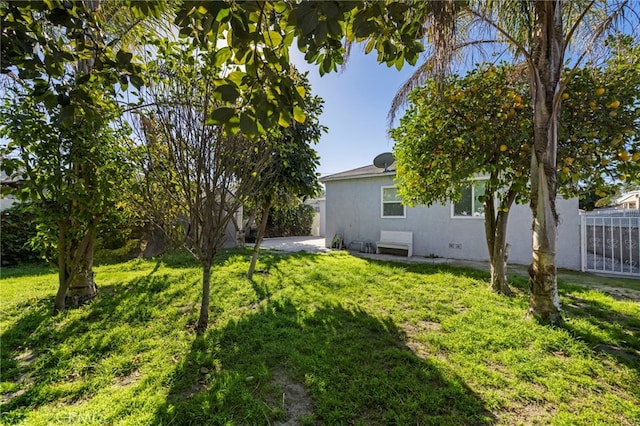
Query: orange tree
480,126
62,64
483,129
599,145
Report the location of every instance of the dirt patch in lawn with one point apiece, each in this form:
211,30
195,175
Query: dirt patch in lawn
528,414
413,330
127,380
619,293
25,359
292,398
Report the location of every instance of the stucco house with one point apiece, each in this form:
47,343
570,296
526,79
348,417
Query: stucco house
362,202
629,200
6,181
319,224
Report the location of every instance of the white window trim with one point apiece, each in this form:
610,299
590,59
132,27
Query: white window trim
472,217
382,216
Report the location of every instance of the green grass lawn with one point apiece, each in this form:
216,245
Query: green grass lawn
313,339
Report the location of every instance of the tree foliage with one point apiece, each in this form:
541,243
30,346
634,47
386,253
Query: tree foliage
481,128
42,40
258,36
544,35
486,117
66,61
599,143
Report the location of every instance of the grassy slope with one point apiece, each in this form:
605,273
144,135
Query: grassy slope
372,342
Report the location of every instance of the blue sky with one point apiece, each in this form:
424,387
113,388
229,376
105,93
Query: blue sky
356,103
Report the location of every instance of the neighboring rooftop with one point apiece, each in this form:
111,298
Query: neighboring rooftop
630,200
15,179
361,172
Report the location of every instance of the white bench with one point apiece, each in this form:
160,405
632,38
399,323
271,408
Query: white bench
396,240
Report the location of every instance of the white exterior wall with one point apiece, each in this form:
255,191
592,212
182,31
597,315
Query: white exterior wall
7,202
231,235
353,209
323,217
319,224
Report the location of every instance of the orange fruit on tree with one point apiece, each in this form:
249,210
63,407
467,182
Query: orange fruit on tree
614,104
600,91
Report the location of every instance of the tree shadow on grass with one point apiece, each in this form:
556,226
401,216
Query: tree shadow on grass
356,369
26,269
268,264
41,351
614,333
605,330
430,268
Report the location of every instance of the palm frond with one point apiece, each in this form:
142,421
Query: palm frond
401,97
125,30
428,70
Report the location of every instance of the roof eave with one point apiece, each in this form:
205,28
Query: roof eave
365,176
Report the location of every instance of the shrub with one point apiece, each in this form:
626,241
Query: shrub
18,229
118,227
287,221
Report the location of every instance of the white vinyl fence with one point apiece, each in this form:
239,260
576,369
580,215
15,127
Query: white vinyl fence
610,242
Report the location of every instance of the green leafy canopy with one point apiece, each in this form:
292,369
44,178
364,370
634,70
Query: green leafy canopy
482,125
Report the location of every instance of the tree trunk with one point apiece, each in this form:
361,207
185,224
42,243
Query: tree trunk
544,302
499,256
76,284
545,69
79,270
496,236
261,231
203,321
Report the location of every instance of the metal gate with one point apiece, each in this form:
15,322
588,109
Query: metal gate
610,242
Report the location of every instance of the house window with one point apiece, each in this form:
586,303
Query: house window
469,204
391,203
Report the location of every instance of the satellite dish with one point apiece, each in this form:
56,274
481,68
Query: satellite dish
384,160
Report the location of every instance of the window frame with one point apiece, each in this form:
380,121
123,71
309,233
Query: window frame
471,182
382,203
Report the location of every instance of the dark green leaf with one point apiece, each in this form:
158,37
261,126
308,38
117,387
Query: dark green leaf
124,57
137,81
228,93
221,115
248,124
